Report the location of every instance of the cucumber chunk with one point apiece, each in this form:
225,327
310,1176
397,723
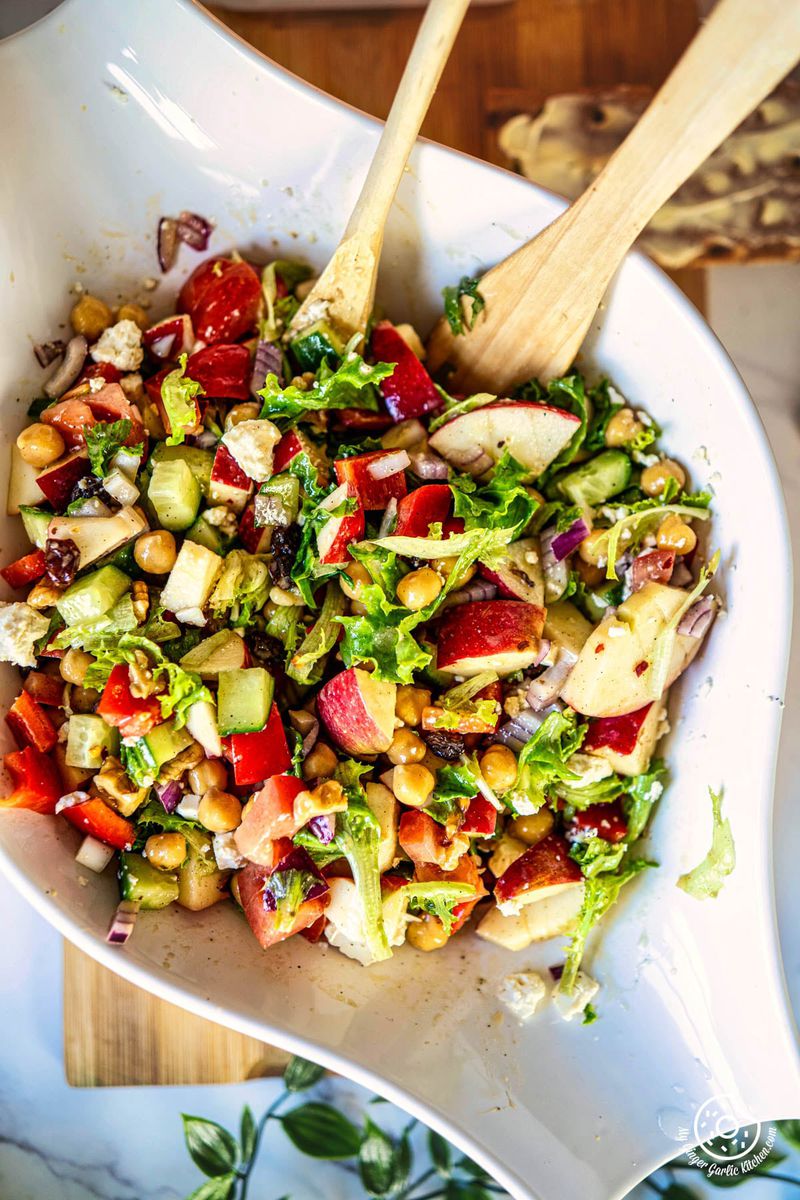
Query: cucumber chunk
174,494
314,345
200,462
205,534
36,522
284,499
597,480
145,757
244,700
89,739
140,880
93,596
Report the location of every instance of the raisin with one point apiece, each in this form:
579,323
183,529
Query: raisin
284,547
266,650
444,743
61,561
87,487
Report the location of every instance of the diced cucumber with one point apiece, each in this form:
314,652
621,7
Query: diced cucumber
174,494
314,345
597,480
140,880
191,579
208,535
145,757
283,505
223,651
88,740
36,522
200,462
244,700
595,602
92,596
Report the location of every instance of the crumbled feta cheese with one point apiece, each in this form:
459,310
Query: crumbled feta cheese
222,518
20,629
523,994
344,929
120,345
251,443
190,616
589,768
189,806
572,1004
226,852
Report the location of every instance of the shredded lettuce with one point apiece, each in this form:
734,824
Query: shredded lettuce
438,899
279,310
308,662
461,702
503,502
284,625
543,762
183,688
643,518
457,408
357,837
104,440
242,589
596,854
352,385
456,784
463,304
705,881
86,635
178,397
600,892
642,793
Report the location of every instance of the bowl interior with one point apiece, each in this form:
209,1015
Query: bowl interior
127,130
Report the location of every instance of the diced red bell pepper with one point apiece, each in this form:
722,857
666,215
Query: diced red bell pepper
465,871
99,821
223,371
99,370
372,493
545,865
25,570
30,724
606,819
480,819
37,783
258,756
620,734
360,420
134,716
223,298
47,689
409,391
432,714
656,566
270,816
252,882
423,839
425,506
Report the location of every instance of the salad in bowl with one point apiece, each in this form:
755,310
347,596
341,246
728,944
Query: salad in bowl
302,632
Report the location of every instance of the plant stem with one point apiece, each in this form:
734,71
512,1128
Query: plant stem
412,1187
268,1115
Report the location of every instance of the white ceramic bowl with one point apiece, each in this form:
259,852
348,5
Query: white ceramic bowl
127,111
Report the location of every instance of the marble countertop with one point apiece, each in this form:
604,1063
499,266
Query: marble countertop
58,1143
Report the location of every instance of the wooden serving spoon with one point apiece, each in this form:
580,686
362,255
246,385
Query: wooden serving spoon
540,301
344,294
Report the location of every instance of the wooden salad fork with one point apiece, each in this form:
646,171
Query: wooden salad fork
539,302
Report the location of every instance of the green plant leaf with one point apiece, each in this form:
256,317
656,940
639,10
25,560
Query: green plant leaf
301,1074
377,1162
321,1131
248,1133
213,1149
677,1191
470,1190
472,1168
220,1188
441,1154
790,1132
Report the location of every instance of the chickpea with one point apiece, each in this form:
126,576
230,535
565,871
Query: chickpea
622,428
406,747
360,577
247,411
219,811
90,316
320,763
165,850
499,767
444,567
590,574
675,534
83,700
410,703
427,934
74,666
654,479
155,552
135,313
412,784
533,828
40,444
210,773
419,588
594,547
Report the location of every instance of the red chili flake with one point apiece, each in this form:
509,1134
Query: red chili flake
599,648
641,667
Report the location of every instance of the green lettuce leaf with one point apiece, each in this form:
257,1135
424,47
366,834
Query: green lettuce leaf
153,818
438,899
104,440
543,761
178,397
279,310
183,688
603,408
600,892
503,502
357,837
644,517
308,662
460,316
242,589
705,881
596,854
352,385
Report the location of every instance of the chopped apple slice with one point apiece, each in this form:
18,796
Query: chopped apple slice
57,481
545,869
358,711
613,673
339,532
627,743
98,536
489,635
534,434
544,918
386,810
229,484
520,576
566,627
23,488
191,579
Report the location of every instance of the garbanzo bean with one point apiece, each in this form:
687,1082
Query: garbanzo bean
165,850
419,588
410,702
533,828
675,534
40,444
406,747
622,428
155,552
74,666
219,811
135,313
90,316
210,773
427,934
499,767
360,576
654,479
412,784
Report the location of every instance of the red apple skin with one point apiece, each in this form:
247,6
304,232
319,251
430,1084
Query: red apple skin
547,864
252,880
606,819
287,448
492,577
409,391
488,629
359,420
374,494
57,481
534,433
338,533
174,332
358,712
465,871
269,818
255,538
424,840
425,506
620,734
226,470
480,819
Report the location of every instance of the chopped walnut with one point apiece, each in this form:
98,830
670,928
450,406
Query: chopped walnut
141,600
117,788
142,681
192,756
44,594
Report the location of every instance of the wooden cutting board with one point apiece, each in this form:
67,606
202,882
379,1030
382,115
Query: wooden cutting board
114,1033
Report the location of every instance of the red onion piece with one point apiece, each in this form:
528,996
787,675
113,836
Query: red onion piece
167,243
516,732
267,361
48,352
562,544
70,369
545,690
476,461
696,621
123,922
169,794
388,518
297,859
428,466
70,800
389,464
204,440
556,572
323,828
194,230
479,589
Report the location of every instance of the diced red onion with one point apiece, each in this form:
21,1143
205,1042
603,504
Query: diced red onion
388,518
479,589
297,859
94,855
194,230
516,732
267,361
388,464
544,690
169,794
48,352
70,800
427,465
205,440
123,922
323,827
681,576
556,572
696,621
70,369
162,347
562,544
167,242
